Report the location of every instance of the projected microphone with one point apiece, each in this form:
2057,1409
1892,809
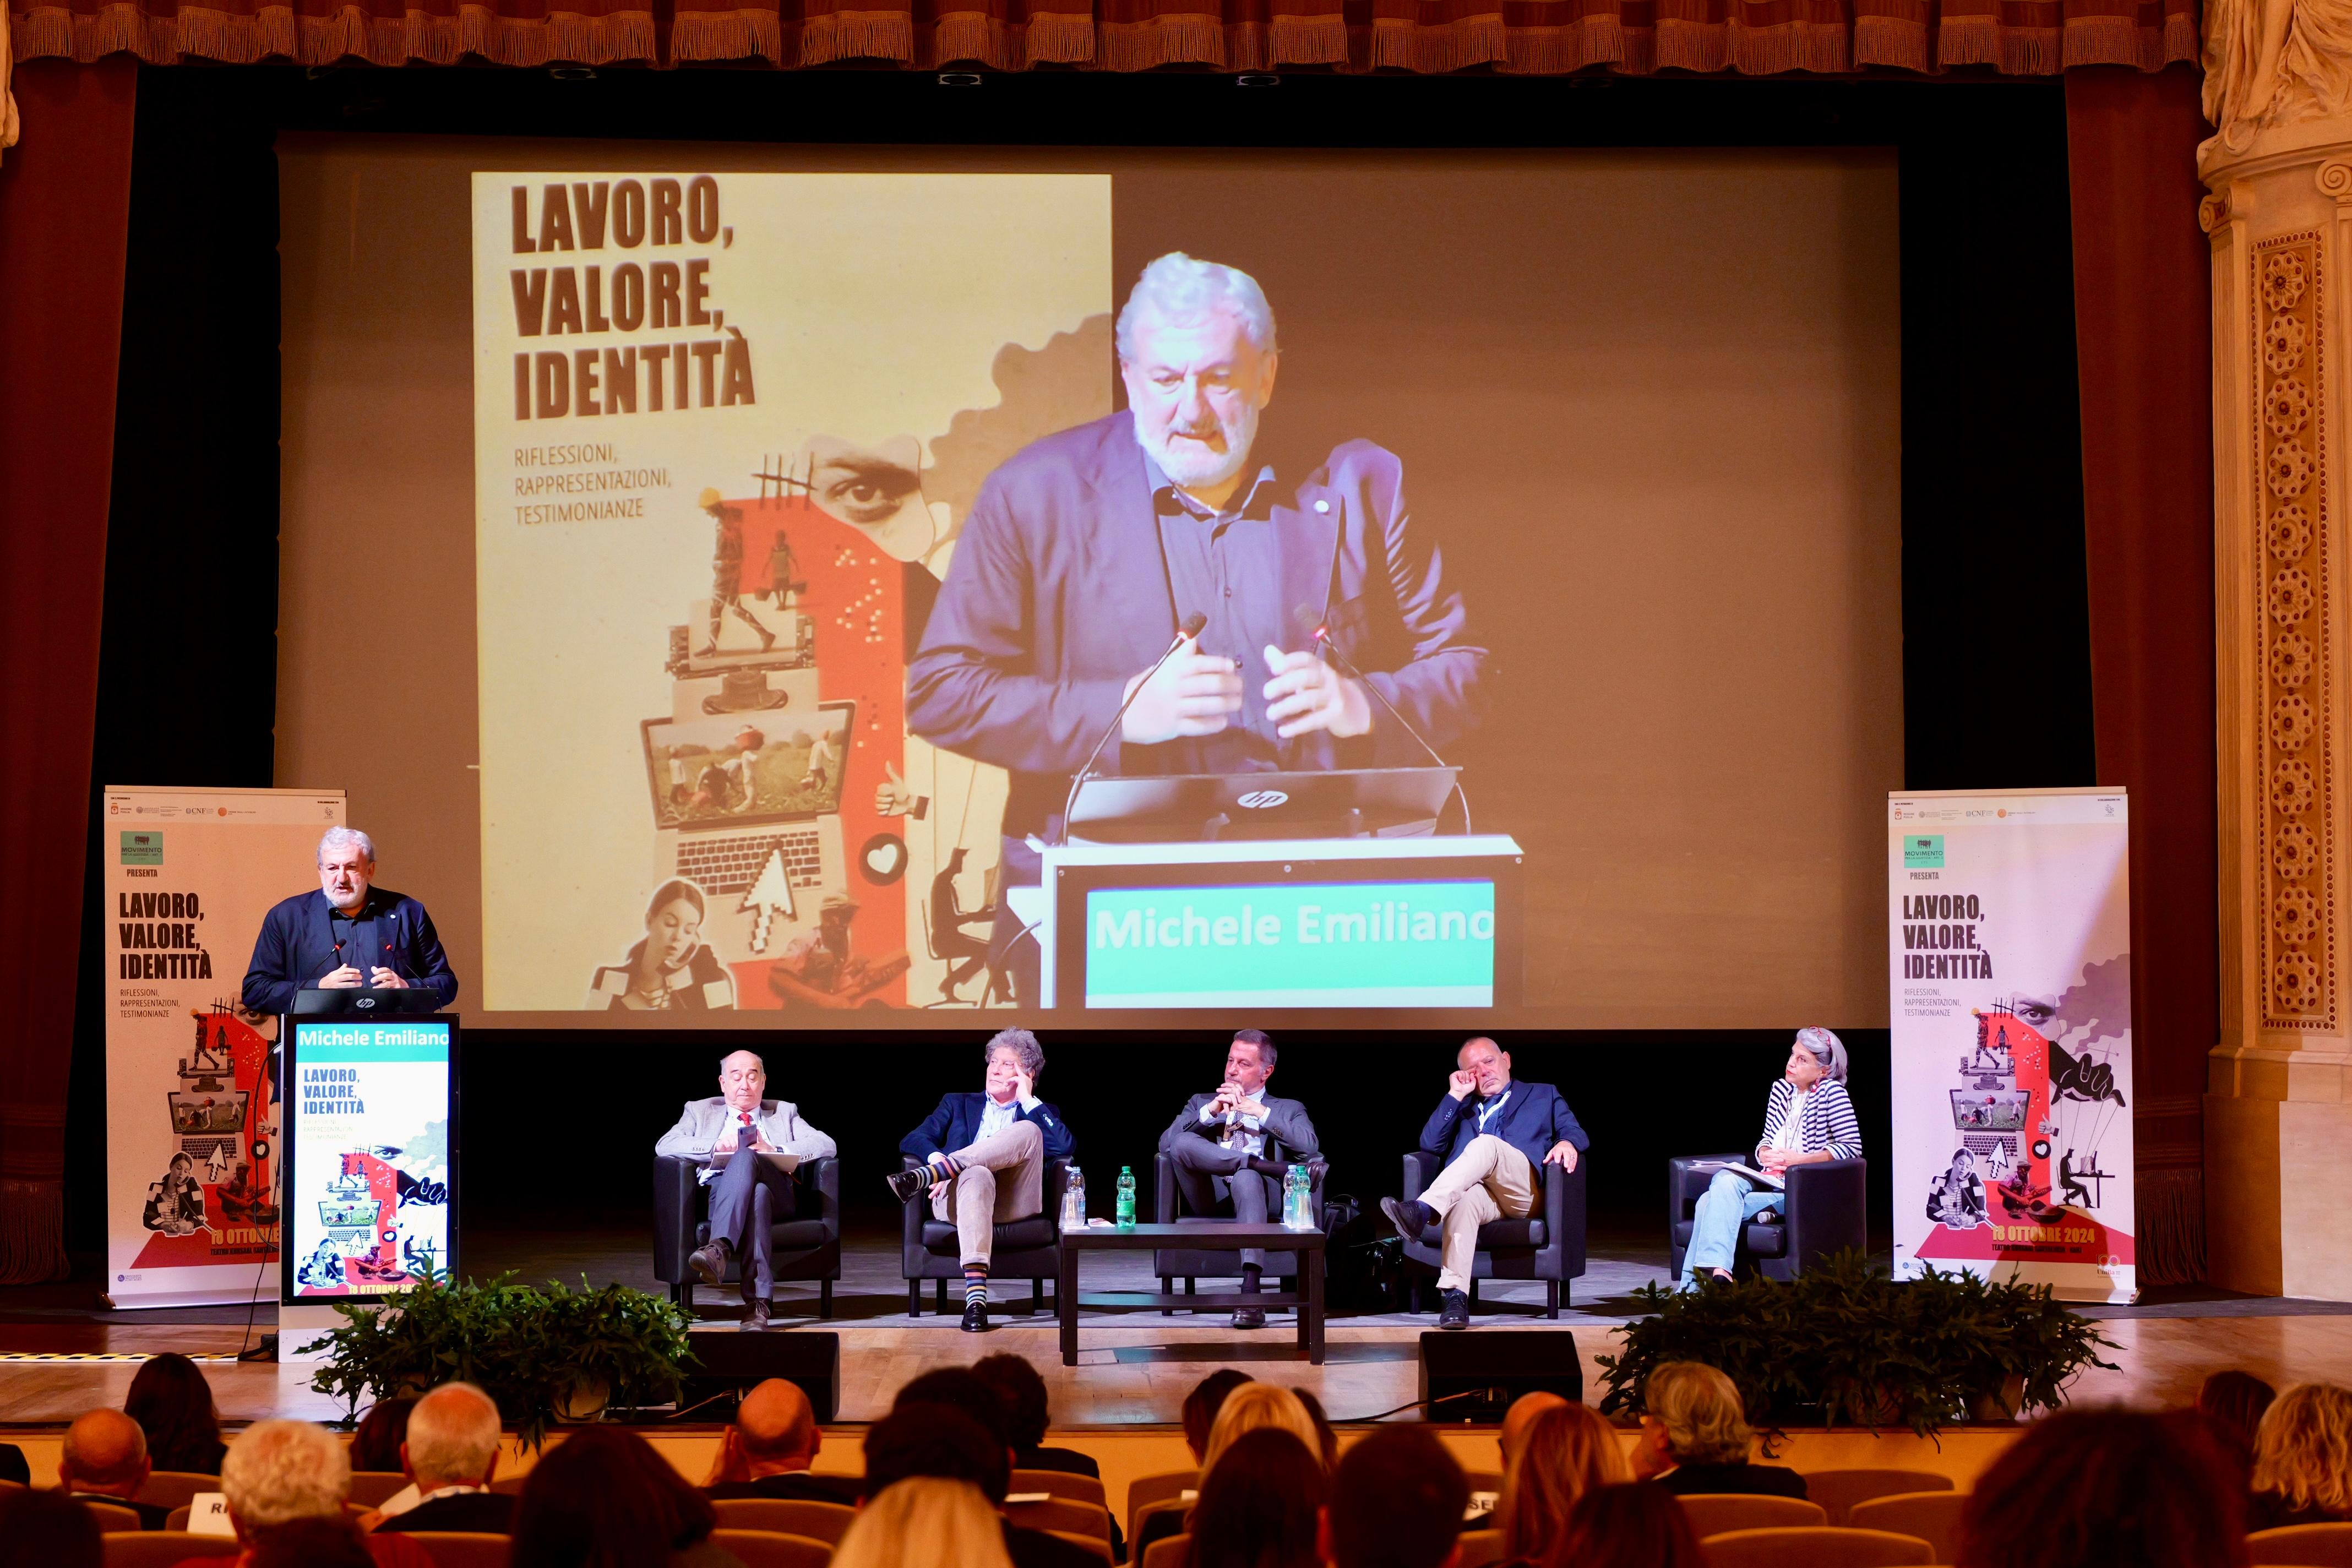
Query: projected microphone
1190,628
1319,633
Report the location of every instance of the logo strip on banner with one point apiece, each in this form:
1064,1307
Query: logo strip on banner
192,1139
2008,936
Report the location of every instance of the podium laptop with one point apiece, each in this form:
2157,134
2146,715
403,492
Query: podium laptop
1175,808
366,1002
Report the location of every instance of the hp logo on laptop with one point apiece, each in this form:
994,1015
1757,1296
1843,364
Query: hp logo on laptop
1262,799
363,1002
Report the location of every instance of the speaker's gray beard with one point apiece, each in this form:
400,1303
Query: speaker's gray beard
1195,466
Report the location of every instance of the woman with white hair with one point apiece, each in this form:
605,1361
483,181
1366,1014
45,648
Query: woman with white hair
1807,1119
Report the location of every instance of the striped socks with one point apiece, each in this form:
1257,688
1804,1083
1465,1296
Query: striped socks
975,1283
945,1167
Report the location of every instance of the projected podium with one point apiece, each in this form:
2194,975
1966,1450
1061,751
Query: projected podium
1277,890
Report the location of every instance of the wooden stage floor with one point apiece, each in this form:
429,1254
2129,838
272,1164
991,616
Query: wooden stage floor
1135,1368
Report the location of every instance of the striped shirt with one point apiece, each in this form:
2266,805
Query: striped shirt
1825,1121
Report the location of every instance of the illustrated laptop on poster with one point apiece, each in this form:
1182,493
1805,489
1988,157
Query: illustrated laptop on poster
732,790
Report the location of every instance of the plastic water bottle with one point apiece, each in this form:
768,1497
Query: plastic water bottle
1074,1201
1125,1196
1297,1199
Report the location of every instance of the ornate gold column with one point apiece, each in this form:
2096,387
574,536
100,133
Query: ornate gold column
2278,1126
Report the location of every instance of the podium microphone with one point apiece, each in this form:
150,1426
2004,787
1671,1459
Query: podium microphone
1190,628
1319,633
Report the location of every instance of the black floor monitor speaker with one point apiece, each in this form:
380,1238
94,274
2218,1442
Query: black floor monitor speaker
734,1362
1474,1376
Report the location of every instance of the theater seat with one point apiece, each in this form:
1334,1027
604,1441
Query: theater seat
766,1549
2306,1545
464,1548
1933,1516
1840,1491
824,1522
1715,1513
1821,1546
162,1548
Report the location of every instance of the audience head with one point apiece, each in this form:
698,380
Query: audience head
48,1530
1565,1451
2232,1404
173,1406
1521,1415
1627,1525
1253,1406
1201,1406
2109,1487
1023,1391
774,1430
1259,1504
104,1452
453,1438
938,1441
278,1471
1694,1411
924,1521
1396,1501
1327,1441
375,1444
960,1388
604,1498
312,1543
2302,1450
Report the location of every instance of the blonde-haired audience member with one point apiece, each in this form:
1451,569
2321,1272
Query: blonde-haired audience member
1251,1406
1565,1451
925,1521
2302,1458
1695,1436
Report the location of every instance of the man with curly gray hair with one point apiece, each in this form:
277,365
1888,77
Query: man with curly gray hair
347,935
292,1476
982,1158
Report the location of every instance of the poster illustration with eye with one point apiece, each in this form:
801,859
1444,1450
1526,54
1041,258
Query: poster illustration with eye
728,428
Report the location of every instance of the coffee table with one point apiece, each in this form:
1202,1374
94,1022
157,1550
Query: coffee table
1215,1235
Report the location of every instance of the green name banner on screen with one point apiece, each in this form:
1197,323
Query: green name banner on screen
1336,945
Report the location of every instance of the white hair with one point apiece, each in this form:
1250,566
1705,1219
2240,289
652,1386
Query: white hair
1825,1048
278,1471
453,1435
930,1520
344,838
1182,288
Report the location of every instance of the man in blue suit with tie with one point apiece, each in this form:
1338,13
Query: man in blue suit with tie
1492,1143
984,1158
347,935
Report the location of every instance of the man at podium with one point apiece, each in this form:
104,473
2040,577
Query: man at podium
347,934
1086,553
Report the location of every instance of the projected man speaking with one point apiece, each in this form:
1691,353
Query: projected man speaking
1086,551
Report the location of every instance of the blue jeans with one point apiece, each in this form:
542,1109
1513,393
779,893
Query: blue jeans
1726,1205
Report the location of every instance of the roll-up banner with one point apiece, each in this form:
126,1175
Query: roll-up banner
2008,936
192,1095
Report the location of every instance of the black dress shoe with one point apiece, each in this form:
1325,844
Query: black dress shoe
1455,1312
708,1262
975,1317
755,1316
911,1184
1249,1317
1408,1216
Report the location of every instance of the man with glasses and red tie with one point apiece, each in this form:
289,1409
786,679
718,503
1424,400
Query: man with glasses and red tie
726,1134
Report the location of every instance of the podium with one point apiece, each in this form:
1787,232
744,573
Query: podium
1277,890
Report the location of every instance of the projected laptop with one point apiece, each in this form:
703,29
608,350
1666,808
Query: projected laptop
732,792
1383,803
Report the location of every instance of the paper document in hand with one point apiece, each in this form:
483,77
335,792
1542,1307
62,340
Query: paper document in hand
787,1163
1764,1177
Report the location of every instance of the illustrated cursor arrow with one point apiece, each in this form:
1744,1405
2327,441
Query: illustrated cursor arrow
771,894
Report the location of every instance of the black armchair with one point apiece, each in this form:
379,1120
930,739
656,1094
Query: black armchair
1548,1245
1191,1263
802,1246
1025,1249
1825,1210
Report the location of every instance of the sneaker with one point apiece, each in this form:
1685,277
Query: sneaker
975,1316
708,1262
1410,1217
755,1316
1249,1317
1455,1312
911,1184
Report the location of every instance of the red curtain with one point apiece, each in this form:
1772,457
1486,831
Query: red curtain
1532,35
2142,314
65,208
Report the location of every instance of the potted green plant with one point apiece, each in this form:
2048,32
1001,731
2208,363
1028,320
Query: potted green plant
1846,1344
542,1354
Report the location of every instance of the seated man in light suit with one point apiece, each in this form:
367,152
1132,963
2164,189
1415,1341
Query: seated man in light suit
1237,1143
746,1193
1492,1145
984,1158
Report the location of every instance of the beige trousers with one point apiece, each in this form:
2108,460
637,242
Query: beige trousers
1491,1181
1004,1178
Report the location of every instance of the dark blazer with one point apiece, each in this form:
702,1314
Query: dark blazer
295,949
1533,1120
1769,1480
793,1485
1289,1135
1068,1461
956,1124
488,1513
1061,590
150,1516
